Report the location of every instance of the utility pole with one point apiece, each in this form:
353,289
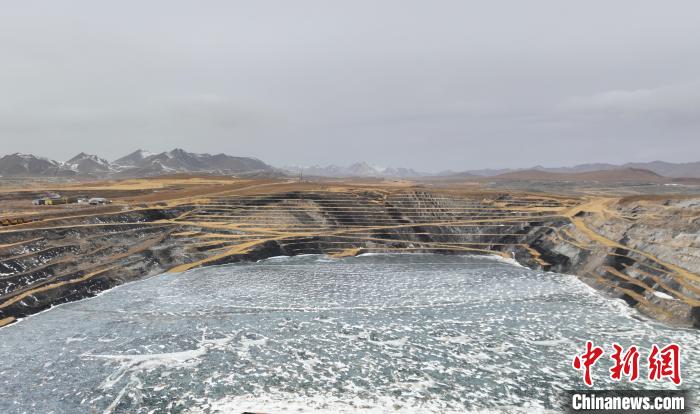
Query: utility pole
301,178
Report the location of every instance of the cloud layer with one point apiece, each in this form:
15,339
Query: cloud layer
428,85
678,101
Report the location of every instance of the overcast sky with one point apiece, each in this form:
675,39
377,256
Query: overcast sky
430,84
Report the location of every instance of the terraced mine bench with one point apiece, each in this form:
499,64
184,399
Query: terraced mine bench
70,257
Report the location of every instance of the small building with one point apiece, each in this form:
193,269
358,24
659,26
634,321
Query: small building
97,200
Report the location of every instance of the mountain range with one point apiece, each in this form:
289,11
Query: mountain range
142,163
363,169
663,168
610,175
359,169
139,163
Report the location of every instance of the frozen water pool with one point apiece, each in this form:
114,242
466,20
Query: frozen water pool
376,333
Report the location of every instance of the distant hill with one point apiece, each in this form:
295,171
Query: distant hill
487,172
667,169
359,169
363,169
614,175
464,174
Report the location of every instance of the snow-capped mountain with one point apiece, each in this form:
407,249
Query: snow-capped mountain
89,164
139,163
132,159
28,165
359,169
179,161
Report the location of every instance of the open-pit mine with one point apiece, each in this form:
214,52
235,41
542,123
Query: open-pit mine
640,248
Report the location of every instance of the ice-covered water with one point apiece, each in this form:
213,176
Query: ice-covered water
381,333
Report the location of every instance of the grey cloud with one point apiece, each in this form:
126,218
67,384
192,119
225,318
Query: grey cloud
682,100
427,85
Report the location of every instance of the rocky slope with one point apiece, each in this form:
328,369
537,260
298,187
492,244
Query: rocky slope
644,251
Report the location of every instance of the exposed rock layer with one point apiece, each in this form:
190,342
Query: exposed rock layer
643,251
